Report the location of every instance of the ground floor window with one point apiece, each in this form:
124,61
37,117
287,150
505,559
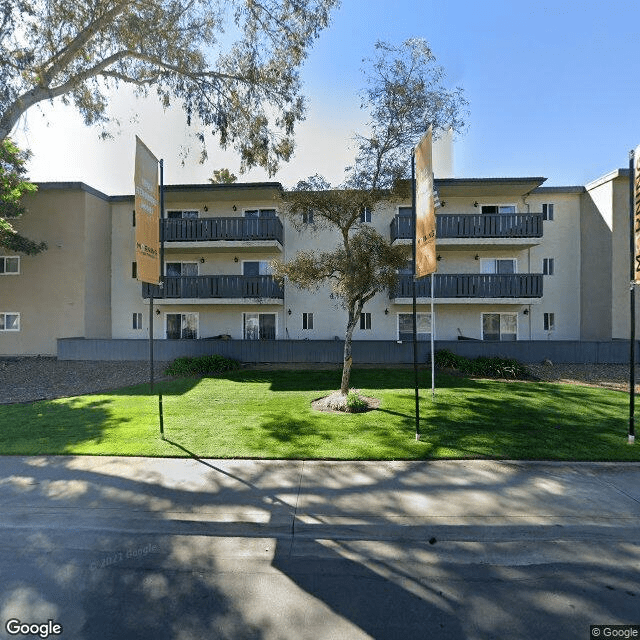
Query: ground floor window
365,321
259,326
405,326
499,326
9,321
307,321
182,326
137,320
549,321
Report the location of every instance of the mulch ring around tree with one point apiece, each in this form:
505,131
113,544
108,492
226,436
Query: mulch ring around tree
337,403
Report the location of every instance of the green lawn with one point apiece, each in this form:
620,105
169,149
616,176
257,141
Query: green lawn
268,415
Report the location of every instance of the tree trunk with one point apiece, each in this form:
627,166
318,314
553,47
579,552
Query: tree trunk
347,359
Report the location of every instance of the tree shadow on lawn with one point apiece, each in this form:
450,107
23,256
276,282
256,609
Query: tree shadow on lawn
472,417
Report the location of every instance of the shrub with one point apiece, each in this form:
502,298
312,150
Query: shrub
355,404
494,367
201,366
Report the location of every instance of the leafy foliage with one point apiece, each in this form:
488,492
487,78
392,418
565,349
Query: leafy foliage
184,50
223,176
355,404
404,95
13,185
201,366
494,367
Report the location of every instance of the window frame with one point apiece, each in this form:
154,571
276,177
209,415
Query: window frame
549,321
307,320
548,211
261,263
514,315
137,322
259,211
4,272
181,263
3,315
259,313
548,266
513,205
427,337
182,315
182,212
484,261
365,215
365,319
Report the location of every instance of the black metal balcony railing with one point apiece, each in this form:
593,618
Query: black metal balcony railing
224,228
202,287
485,225
472,285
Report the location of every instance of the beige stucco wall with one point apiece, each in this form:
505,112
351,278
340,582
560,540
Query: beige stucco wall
56,288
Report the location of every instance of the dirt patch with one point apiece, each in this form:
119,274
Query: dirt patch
337,403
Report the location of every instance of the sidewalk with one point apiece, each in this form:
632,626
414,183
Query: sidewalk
280,549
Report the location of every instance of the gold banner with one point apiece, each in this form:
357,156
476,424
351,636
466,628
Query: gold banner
636,214
425,209
147,206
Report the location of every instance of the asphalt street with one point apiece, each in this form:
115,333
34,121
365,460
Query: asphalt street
103,547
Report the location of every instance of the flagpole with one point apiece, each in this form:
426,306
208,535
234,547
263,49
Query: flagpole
160,408
415,327
632,300
433,360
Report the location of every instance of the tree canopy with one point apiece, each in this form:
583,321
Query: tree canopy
404,95
13,185
233,65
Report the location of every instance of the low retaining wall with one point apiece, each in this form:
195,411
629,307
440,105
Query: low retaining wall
330,351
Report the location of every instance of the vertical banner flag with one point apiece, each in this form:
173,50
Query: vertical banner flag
636,214
425,209
147,207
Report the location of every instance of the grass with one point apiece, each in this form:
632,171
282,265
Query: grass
268,415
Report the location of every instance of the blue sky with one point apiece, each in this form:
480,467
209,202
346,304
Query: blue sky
553,87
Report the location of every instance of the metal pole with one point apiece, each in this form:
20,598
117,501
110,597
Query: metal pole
160,409
433,360
151,340
415,328
632,302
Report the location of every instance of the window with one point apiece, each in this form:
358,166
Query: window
182,326
177,269
307,217
365,321
405,326
547,211
256,268
548,266
549,320
365,215
259,326
134,270
499,326
307,321
498,208
498,265
182,214
260,213
137,321
9,265
9,322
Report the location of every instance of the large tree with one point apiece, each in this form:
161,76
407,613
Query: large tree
233,65
13,185
404,95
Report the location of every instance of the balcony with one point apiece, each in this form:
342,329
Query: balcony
514,229
223,232
475,286
217,289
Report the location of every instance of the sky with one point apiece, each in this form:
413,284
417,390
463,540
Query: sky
553,91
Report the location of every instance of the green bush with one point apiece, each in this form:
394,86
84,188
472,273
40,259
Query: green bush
355,404
201,366
494,367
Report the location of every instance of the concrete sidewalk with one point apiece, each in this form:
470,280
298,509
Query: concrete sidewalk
187,548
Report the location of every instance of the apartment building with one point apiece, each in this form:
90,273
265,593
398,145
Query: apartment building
517,261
